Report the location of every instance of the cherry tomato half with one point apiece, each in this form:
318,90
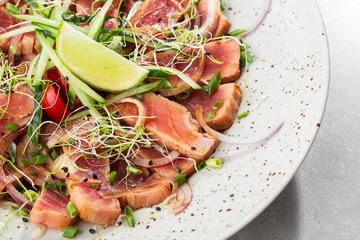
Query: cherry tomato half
55,106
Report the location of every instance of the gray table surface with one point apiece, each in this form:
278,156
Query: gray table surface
323,200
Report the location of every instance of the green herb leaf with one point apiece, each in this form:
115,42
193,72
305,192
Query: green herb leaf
112,177
129,216
241,115
12,152
70,232
236,32
72,210
50,185
178,170
95,185
53,154
24,162
158,73
12,127
214,83
40,159
210,115
217,104
181,179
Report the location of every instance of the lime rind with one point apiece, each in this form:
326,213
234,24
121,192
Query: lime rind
95,64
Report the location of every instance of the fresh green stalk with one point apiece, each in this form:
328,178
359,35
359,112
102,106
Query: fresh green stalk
37,19
97,22
180,74
65,72
17,32
34,126
41,66
87,102
118,97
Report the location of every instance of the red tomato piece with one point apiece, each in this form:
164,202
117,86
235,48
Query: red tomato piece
55,106
55,76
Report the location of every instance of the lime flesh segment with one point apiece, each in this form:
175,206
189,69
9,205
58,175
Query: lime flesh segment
95,64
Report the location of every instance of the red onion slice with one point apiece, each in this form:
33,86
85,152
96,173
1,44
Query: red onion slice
183,198
157,162
261,19
18,197
234,140
141,110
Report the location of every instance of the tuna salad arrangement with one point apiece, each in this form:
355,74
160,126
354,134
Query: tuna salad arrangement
108,106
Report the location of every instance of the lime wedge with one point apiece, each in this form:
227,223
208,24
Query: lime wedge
95,64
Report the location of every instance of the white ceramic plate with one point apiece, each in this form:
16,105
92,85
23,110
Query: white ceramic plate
291,72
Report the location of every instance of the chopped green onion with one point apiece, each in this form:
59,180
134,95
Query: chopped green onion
50,185
12,127
129,216
200,166
40,159
214,83
214,163
167,85
39,146
63,189
72,210
70,232
236,32
112,177
217,104
181,179
184,95
12,151
210,115
244,114
222,5
11,8
134,170
30,194
95,185
24,162
178,170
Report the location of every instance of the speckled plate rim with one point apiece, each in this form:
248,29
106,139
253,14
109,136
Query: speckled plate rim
237,227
